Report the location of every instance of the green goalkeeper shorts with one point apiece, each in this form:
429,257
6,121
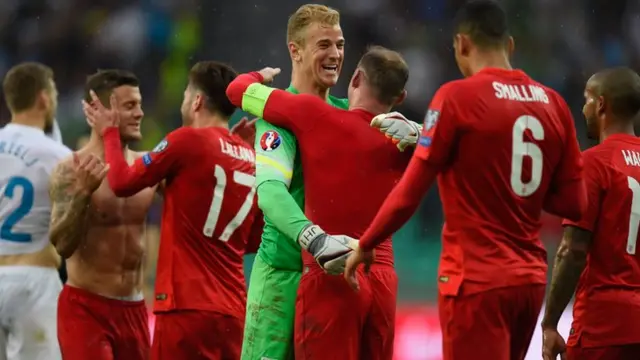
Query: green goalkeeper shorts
269,322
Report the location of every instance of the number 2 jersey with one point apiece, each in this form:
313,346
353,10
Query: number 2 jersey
505,147
208,216
27,159
607,306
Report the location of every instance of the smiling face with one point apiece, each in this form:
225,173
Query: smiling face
130,109
322,54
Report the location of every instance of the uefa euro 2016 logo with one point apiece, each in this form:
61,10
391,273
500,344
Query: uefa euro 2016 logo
270,140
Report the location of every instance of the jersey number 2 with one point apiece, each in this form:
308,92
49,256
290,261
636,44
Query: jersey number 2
522,149
26,203
216,204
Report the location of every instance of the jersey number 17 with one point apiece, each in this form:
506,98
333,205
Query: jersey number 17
239,178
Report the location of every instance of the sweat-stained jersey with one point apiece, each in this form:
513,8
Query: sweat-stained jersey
504,144
606,311
207,217
277,159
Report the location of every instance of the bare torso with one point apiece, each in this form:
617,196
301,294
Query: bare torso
109,260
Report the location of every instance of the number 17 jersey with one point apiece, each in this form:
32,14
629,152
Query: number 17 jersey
606,310
502,143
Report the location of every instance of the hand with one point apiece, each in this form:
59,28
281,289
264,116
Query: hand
403,132
89,172
553,345
356,258
330,251
98,116
268,74
246,130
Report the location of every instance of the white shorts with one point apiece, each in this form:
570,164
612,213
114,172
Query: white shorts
28,313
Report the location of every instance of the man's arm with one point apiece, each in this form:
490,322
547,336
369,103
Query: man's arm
148,170
69,211
567,196
434,152
572,253
281,108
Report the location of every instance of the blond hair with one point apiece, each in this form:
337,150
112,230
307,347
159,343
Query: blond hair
309,14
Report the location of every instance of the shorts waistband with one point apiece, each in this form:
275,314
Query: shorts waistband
133,300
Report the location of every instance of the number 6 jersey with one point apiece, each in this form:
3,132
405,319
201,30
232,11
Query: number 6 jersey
27,158
208,217
606,311
507,148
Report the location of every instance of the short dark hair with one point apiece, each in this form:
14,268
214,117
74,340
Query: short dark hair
212,79
103,82
23,83
620,86
485,21
386,72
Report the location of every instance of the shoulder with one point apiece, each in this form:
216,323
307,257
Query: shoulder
52,151
339,102
445,91
597,156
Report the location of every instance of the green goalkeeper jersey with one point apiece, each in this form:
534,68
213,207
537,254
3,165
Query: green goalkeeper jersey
277,160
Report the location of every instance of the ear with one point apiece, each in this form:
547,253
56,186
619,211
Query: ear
356,79
601,105
198,102
295,51
400,99
44,100
464,44
511,46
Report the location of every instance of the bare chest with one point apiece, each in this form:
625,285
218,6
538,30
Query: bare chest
108,210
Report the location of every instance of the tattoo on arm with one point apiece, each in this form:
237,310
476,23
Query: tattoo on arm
570,261
69,210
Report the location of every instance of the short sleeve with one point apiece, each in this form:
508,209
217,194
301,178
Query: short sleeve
596,182
440,129
275,153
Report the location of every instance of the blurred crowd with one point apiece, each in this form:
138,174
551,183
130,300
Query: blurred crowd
559,43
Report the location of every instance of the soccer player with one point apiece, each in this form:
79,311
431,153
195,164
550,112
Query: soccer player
101,312
340,199
598,253
29,282
503,148
316,47
208,212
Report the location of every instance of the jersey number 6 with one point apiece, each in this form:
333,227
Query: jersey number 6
216,203
520,149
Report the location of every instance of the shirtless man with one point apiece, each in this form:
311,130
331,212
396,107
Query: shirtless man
29,282
102,314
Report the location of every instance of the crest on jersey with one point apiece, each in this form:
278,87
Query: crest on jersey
161,146
431,119
270,140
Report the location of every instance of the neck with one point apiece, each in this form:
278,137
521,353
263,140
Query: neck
96,146
305,85
624,128
31,118
363,100
210,120
490,59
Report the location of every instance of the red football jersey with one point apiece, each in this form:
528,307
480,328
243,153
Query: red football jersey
209,208
503,143
607,306
349,167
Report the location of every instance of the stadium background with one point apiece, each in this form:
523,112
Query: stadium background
560,43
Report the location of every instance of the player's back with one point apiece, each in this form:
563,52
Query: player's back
349,169
27,158
610,284
509,143
208,211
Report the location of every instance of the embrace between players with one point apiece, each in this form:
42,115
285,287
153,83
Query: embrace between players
321,171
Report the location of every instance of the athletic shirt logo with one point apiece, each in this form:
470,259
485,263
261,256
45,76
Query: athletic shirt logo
270,140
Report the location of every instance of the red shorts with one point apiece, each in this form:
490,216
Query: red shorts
94,327
620,352
194,334
335,322
497,324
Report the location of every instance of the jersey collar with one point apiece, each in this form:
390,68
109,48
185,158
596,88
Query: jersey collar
515,73
293,90
24,128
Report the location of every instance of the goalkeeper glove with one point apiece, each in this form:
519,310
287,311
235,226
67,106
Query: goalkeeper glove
330,251
403,132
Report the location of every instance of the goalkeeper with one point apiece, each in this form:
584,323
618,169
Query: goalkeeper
316,48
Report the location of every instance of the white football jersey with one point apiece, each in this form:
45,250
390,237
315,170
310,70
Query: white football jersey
27,159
